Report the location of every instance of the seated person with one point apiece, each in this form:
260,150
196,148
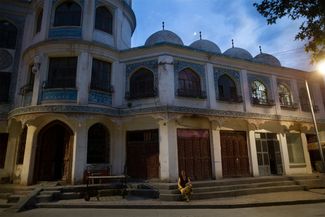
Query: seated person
185,186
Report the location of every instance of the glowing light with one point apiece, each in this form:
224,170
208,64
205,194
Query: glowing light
195,33
321,67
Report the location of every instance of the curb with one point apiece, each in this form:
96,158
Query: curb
178,206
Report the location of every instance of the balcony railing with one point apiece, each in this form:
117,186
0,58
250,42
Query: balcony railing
192,93
233,99
264,102
109,89
140,95
292,106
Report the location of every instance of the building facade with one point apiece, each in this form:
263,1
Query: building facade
75,94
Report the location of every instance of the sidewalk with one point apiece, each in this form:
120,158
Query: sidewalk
268,199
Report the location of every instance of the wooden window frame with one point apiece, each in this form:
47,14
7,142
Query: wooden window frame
62,72
104,20
98,145
65,15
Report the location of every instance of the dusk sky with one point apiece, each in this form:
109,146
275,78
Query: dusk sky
220,21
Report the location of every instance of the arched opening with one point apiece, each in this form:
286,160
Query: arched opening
284,95
8,35
104,20
259,93
67,14
189,83
39,18
227,88
21,146
54,153
98,148
142,84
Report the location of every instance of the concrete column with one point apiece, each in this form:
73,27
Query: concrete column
118,150
217,160
168,150
245,91
29,156
309,169
79,154
46,19
117,29
40,78
83,77
211,88
275,94
166,86
284,153
253,152
88,20
118,83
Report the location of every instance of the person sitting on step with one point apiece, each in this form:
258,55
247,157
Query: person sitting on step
185,185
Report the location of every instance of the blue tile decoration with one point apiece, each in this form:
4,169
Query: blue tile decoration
59,94
152,65
179,65
65,32
99,97
233,74
264,79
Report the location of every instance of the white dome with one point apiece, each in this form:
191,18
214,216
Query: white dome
239,53
164,36
267,59
206,45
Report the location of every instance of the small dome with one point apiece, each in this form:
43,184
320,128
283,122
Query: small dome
206,45
267,59
163,36
239,53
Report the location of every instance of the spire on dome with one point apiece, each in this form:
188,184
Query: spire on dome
232,43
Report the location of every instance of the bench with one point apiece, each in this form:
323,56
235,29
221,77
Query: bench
104,174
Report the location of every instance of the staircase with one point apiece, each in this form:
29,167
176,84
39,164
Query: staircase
232,187
12,194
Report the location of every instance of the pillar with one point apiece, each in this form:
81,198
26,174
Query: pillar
29,156
304,142
217,160
211,91
166,86
284,153
79,154
253,152
83,77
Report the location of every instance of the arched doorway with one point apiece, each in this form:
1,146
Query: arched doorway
54,153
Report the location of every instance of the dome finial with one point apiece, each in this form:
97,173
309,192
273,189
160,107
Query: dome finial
232,43
200,35
163,25
260,49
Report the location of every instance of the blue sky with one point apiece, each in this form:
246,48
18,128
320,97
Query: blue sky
220,21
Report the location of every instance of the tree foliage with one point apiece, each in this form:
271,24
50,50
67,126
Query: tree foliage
312,28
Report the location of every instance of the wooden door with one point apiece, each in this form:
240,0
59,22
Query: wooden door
194,154
143,154
54,154
234,154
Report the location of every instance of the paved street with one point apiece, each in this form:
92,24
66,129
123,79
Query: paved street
307,210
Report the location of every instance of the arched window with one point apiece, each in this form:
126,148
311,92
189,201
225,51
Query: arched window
98,150
142,84
227,88
67,14
39,21
8,35
104,20
259,93
284,95
189,84
304,101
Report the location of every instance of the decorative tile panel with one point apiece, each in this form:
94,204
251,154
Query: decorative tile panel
59,94
65,32
99,97
179,65
152,65
233,74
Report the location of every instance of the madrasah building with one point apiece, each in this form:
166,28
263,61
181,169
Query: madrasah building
74,94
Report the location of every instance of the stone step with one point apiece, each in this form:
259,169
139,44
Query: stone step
232,193
312,183
4,195
144,193
234,181
44,198
13,198
232,187
70,196
304,177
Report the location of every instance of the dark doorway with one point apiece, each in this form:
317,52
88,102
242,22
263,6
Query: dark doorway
234,154
142,154
3,148
268,154
194,154
54,153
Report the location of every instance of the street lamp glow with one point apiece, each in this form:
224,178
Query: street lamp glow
321,67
